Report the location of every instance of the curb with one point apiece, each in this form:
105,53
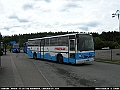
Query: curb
107,62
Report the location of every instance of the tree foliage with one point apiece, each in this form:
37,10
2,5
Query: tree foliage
105,39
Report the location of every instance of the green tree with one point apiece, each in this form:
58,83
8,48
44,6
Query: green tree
98,43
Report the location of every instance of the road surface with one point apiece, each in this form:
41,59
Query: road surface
29,72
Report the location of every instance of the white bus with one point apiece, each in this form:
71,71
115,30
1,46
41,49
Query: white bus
73,48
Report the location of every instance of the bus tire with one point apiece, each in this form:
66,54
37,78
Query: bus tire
35,56
59,58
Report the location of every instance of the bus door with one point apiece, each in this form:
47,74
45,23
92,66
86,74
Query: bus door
42,48
72,50
72,45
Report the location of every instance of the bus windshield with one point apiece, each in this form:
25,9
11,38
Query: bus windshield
85,43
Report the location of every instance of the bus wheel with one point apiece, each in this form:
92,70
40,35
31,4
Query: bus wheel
35,56
59,58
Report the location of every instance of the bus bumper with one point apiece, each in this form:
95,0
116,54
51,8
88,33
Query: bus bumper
84,60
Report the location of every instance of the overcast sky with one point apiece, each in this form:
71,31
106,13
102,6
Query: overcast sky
31,16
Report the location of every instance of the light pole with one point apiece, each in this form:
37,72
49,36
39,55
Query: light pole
118,15
0,49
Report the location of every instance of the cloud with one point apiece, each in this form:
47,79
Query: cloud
83,28
70,24
47,1
92,24
69,6
22,20
14,16
57,15
88,24
48,10
7,28
72,5
27,6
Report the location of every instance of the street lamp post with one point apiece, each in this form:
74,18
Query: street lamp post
118,15
0,49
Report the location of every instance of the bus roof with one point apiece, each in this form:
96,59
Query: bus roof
56,36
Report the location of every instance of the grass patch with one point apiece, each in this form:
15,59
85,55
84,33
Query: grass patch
107,60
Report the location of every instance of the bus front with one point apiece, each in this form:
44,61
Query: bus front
16,48
85,48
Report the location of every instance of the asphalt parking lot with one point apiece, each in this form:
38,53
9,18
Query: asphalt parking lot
20,70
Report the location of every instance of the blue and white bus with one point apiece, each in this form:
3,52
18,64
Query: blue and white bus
73,48
15,48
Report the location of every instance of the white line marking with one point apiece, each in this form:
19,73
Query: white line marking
42,74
